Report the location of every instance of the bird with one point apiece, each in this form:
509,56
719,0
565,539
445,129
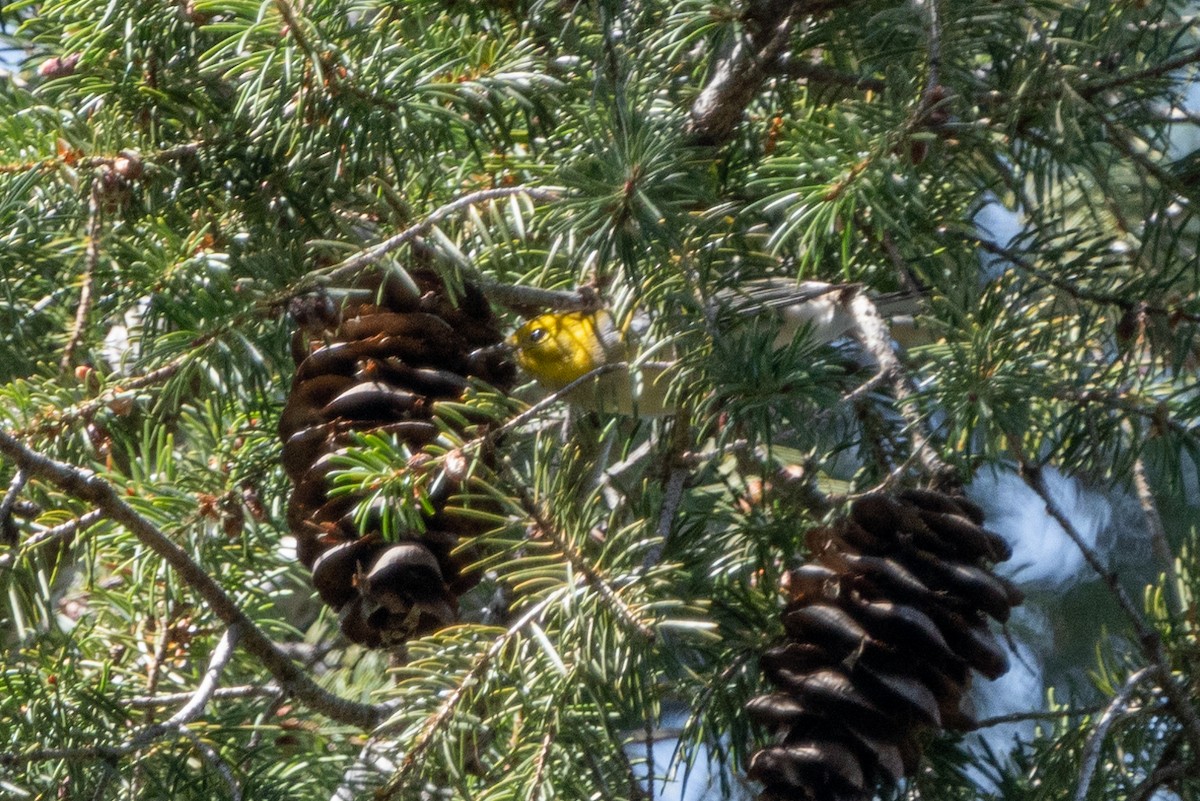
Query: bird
559,348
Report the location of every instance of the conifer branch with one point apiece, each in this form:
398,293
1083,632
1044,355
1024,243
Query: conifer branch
814,72
64,531
1119,300
1091,88
1041,714
440,718
1124,400
53,422
873,334
933,37
214,759
348,268
1163,775
197,700
87,486
587,571
218,694
1148,638
1091,749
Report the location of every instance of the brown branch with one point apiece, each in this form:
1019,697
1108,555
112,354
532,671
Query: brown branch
75,159
673,486
8,529
737,78
933,34
1164,774
64,531
1126,401
53,422
542,759
218,694
87,486
196,703
1021,717
1065,285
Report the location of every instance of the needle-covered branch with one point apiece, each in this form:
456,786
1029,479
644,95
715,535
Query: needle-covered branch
86,486
1148,638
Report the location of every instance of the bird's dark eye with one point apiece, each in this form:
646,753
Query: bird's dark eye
537,335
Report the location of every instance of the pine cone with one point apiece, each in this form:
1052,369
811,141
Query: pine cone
381,366
884,627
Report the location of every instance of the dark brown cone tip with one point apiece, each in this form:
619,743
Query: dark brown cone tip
380,367
885,625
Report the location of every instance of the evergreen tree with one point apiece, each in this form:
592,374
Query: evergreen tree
186,185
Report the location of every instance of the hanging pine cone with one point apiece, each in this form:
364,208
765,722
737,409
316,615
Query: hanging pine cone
884,627
379,366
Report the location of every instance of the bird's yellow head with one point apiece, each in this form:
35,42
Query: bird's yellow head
560,347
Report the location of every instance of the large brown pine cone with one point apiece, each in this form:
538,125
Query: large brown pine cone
885,625
380,365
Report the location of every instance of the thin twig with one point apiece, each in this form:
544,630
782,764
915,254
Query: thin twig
1090,88
865,388
1148,637
176,724
349,268
52,423
8,529
1158,535
819,73
648,748
933,35
534,299
1022,717
1120,300
548,401
87,486
295,29
91,259
672,498
1163,775
438,720
1091,749
672,492
64,531
212,675
542,759
589,573
218,694
211,756
1127,401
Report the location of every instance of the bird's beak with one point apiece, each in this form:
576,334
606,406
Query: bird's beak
493,357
